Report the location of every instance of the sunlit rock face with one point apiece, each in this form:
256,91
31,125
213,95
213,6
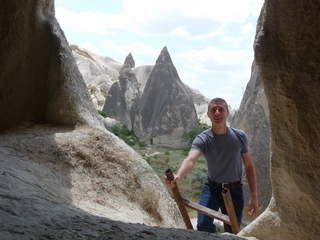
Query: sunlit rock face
166,110
98,72
253,117
287,53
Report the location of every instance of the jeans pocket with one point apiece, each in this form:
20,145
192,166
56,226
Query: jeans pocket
237,191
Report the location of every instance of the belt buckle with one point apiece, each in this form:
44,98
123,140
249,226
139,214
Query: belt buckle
223,185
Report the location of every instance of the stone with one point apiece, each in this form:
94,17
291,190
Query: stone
287,53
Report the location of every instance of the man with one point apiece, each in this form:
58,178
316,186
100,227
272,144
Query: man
224,149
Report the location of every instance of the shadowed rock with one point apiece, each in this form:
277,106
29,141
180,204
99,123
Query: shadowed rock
37,69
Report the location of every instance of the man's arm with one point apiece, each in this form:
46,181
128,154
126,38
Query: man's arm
186,167
251,176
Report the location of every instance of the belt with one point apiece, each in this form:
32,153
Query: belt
225,185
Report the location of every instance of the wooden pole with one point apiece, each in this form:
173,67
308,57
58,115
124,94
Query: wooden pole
177,198
230,210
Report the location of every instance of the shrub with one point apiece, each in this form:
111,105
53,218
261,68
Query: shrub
200,177
184,153
186,149
142,144
103,114
166,153
201,160
191,135
125,132
130,142
197,193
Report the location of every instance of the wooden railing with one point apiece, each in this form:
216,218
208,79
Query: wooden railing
230,219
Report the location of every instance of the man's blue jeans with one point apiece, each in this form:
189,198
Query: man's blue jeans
211,197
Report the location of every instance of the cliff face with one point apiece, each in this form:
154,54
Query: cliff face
287,53
37,67
166,110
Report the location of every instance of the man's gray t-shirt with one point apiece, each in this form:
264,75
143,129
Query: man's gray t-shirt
222,153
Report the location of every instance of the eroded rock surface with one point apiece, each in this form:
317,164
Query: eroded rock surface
288,55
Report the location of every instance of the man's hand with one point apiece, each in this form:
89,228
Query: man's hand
171,183
253,205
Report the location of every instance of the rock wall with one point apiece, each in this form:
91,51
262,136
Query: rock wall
37,70
288,55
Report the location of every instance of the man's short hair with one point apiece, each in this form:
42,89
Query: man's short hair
218,100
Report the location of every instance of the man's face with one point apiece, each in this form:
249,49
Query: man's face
218,112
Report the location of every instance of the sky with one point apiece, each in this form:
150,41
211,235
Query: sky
210,41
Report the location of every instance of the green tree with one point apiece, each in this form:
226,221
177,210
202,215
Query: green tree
191,135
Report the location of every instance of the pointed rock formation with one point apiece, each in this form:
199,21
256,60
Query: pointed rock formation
130,61
124,95
166,110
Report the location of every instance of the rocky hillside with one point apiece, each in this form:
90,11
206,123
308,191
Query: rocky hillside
119,95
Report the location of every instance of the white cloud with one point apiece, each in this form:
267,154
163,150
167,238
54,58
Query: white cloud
89,47
212,59
140,52
232,40
191,18
191,79
92,22
227,88
223,25
225,11
248,29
